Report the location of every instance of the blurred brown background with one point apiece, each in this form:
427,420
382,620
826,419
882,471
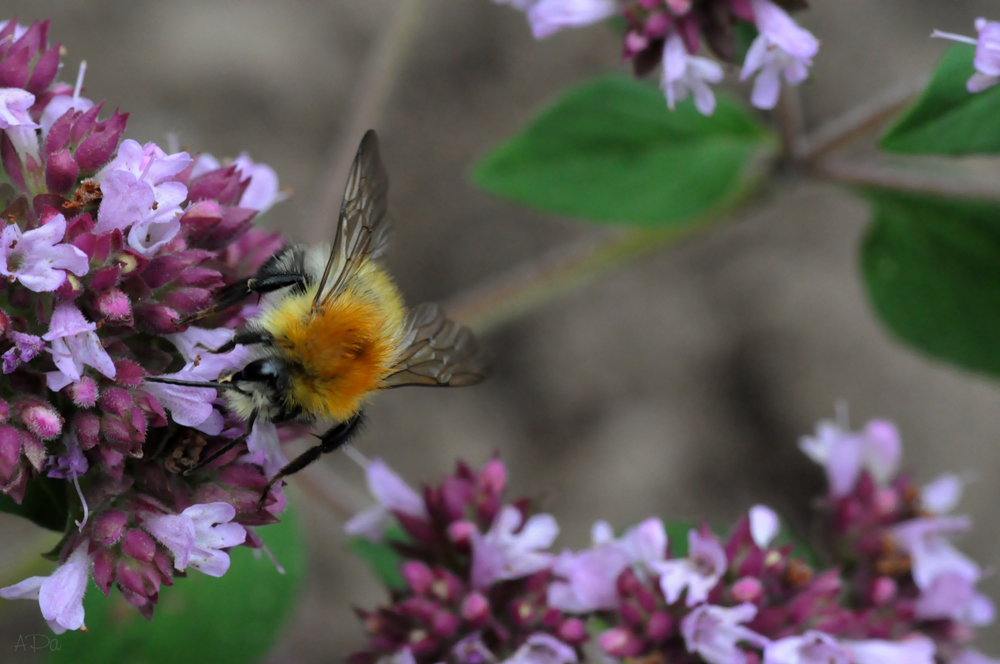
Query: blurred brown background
677,386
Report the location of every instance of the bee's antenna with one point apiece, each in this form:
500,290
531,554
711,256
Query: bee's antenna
190,383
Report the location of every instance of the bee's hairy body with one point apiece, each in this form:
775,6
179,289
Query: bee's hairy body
327,361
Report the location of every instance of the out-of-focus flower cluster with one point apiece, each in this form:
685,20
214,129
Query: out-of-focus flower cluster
670,32
987,59
105,245
482,587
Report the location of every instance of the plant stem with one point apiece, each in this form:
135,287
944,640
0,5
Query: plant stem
790,123
933,176
859,121
376,80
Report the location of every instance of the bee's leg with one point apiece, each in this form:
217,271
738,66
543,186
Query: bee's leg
234,293
225,448
328,442
245,338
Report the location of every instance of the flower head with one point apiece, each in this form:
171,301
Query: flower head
987,58
510,551
685,74
781,49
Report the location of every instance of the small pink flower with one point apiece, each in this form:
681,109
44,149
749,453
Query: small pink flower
764,525
844,454
550,16
714,633
543,648
197,536
987,59
943,494
925,539
264,446
685,75
915,649
782,48
810,648
26,347
393,495
189,406
37,259
60,596
14,105
74,344
510,551
698,573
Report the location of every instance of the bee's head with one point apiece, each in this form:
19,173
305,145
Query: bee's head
269,373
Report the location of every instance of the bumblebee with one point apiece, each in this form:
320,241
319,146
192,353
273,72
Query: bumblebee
333,329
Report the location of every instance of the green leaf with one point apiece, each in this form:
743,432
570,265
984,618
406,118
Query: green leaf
44,503
382,558
230,620
948,119
932,268
677,536
611,151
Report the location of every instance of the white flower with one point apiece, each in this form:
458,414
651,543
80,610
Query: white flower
685,74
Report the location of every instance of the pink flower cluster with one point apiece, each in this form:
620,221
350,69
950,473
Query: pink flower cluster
987,59
670,32
482,587
106,244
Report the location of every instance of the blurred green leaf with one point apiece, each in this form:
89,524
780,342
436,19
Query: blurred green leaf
611,151
932,268
677,537
44,503
382,558
229,620
746,32
948,119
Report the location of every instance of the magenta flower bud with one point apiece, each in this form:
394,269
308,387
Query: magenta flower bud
883,590
522,612
418,576
222,185
460,532
632,615
130,579
45,71
202,216
10,450
188,300
100,145
109,526
115,306
116,433
104,278
886,501
87,425
103,570
422,643
747,589
156,318
235,222
476,610
444,624
34,450
4,324
11,163
572,631
493,477
620,642
446,587
61,171
129,373
83,124
137,544
83,393
58,136
71,288
200,276
660,626
116,400
40,418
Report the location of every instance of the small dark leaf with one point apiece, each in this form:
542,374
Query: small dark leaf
44,503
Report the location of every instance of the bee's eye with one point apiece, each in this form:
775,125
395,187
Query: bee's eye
266,371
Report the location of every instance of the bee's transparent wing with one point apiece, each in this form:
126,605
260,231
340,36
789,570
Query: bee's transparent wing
438,352
364,226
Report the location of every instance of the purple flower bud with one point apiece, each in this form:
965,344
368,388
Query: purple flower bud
476,610
418,576
103,570
34,450
115,400
493,477
222,185
200,276
61,171
129,579
115,306
83,124
156,318
40,418
883,591
235,221
100,144
620,642
45,71
572,631
87,425
660,626
116,433
632,615
460,532
11,163
522,612
10,451
189,300
109,526
444,624
747,589
105,278
202,217
446,587
137,544
83,393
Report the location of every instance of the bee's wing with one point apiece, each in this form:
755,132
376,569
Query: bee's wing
363,229
437,352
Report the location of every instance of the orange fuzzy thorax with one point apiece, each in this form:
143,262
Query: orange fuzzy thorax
342,352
